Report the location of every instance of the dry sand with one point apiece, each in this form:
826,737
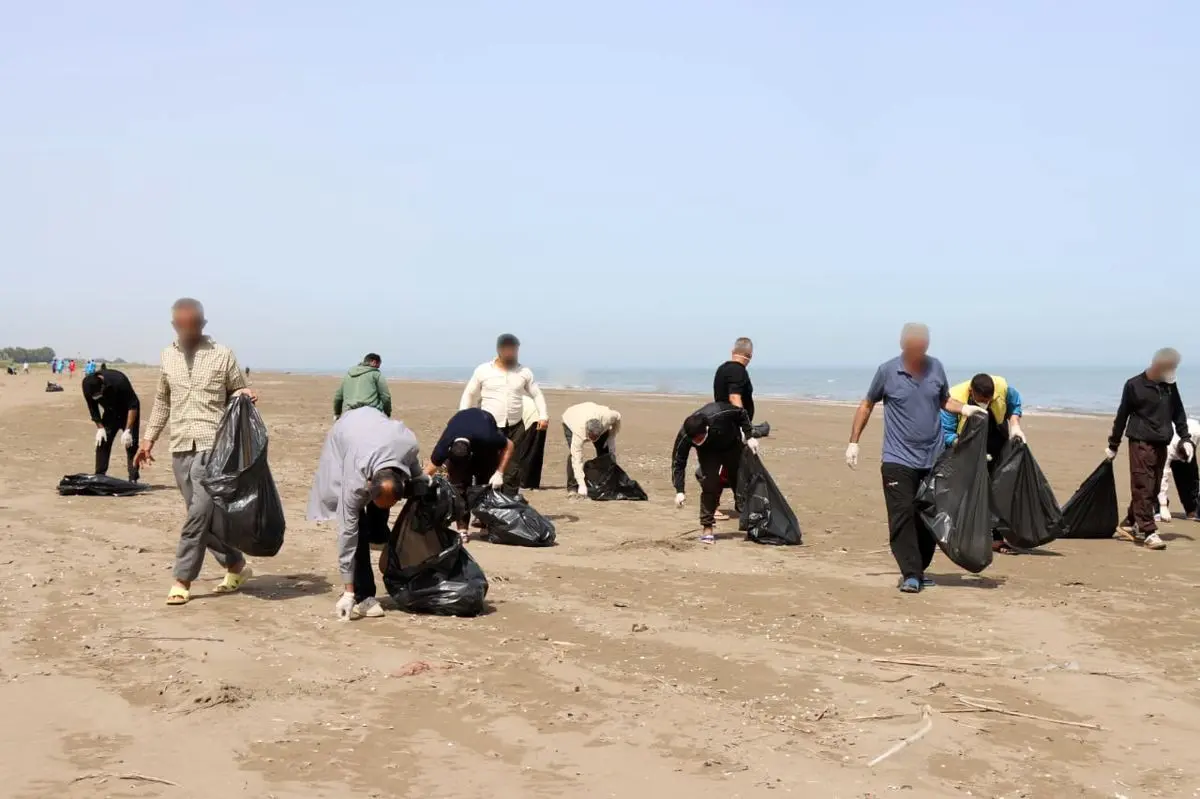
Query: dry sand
629,661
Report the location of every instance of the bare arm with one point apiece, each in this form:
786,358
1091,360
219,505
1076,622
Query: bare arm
131,418
505,457
861,416
736,399
953,406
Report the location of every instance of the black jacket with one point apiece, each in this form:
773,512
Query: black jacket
728,428
1147,413
117,399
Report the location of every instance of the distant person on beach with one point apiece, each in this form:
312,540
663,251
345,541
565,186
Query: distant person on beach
366,464
72,368
114,408
364,386
732,381
196,380
593,423
474,451
1003,403
1150,407
718,432
498,386
914,390
25,368
247,371
1187,478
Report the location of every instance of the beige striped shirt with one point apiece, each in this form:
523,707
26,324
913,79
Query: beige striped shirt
193,397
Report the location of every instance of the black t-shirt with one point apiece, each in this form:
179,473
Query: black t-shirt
733,378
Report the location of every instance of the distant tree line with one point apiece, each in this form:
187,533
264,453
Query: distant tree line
23,355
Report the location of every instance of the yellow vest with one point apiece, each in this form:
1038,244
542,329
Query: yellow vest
999,403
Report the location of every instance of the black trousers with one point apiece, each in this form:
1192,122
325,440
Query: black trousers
1187,484
474,472
601,445
709,475
912,542
512,475
372,529
113,428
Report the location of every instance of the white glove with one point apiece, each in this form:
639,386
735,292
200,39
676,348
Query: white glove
583,491
1189,451
753,445
344,606
679,499
496,480
852,456
971,410
127,439
1015,431
1110,453
101,436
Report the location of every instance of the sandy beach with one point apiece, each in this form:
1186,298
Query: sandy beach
628,661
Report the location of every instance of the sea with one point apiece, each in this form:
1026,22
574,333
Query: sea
1069,390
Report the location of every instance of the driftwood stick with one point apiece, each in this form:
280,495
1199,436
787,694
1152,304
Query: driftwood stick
170,638
127,777
921,732
1006,712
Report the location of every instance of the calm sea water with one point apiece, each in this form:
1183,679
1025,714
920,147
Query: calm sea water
1078,390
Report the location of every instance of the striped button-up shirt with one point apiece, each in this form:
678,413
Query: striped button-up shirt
193,396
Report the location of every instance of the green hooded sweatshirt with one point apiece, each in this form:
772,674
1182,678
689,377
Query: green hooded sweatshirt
362,386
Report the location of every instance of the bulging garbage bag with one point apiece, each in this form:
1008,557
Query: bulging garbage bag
1092,512
97,485
954,500
425,567
248,513
1023,499
509,520
531,453
766,516
606,480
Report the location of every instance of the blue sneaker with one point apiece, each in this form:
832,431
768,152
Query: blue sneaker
910,585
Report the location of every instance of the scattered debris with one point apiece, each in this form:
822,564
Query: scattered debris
128,777
925,727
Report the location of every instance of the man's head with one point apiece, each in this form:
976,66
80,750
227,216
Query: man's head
93,386
594,429
914,341
187,317
695,427
372,359
983,390
386,487
1163,365
460,450
508,347
743,350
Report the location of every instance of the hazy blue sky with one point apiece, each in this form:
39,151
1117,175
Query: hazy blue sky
627,182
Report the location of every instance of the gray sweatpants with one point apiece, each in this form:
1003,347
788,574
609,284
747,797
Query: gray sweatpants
197,531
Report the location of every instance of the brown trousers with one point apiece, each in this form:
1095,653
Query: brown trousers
1146,464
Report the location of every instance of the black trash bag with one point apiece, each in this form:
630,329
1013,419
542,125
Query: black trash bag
606,480
53,387
531,452
954,501
248,513
509,520
766,517
760,430
97,485
425,567
1023,500
1092,511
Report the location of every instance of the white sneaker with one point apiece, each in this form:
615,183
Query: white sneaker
1154,542
369,608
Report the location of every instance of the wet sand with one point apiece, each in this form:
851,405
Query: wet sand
628,661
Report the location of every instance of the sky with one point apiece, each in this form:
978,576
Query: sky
619,184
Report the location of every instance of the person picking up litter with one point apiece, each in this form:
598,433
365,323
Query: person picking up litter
593,423
475,452
718,432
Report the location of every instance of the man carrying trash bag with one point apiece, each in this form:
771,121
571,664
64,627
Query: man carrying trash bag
718,432
475,453
366,465
1003,405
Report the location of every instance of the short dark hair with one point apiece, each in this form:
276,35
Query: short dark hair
507,340
382,479
92,385
460,450
371,356
983,386
694,425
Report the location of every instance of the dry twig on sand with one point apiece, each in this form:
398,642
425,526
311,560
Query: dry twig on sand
169,638
127,777
1006,712
925,727
225,700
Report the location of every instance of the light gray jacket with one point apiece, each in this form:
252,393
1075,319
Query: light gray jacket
360,443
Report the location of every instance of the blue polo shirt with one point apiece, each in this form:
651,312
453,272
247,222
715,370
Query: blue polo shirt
912,404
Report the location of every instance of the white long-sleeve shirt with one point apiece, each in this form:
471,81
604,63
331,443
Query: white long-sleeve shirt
1173,454
576,419
500,391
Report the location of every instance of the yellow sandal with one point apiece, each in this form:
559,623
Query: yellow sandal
233,582
178,595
